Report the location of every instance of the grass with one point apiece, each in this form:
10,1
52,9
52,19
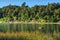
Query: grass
24,36
29,32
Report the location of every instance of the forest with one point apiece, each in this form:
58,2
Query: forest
39,13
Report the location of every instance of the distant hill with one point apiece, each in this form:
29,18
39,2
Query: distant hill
47,13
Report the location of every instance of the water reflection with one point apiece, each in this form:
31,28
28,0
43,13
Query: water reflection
30,28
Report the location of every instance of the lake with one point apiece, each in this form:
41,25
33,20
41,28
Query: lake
49,30
29,27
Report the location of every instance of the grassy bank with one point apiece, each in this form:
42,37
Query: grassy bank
29,31
28,36
24,36
34,22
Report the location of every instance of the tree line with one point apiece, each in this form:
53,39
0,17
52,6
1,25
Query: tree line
44,13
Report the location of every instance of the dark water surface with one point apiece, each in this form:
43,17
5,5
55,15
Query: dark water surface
32,31
29,27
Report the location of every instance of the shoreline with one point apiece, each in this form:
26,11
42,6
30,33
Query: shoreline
30,22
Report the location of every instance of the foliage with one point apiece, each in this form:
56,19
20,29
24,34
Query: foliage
49,13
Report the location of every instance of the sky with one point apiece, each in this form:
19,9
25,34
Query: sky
30,3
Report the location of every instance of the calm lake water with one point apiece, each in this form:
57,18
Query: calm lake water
29,31
29,27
